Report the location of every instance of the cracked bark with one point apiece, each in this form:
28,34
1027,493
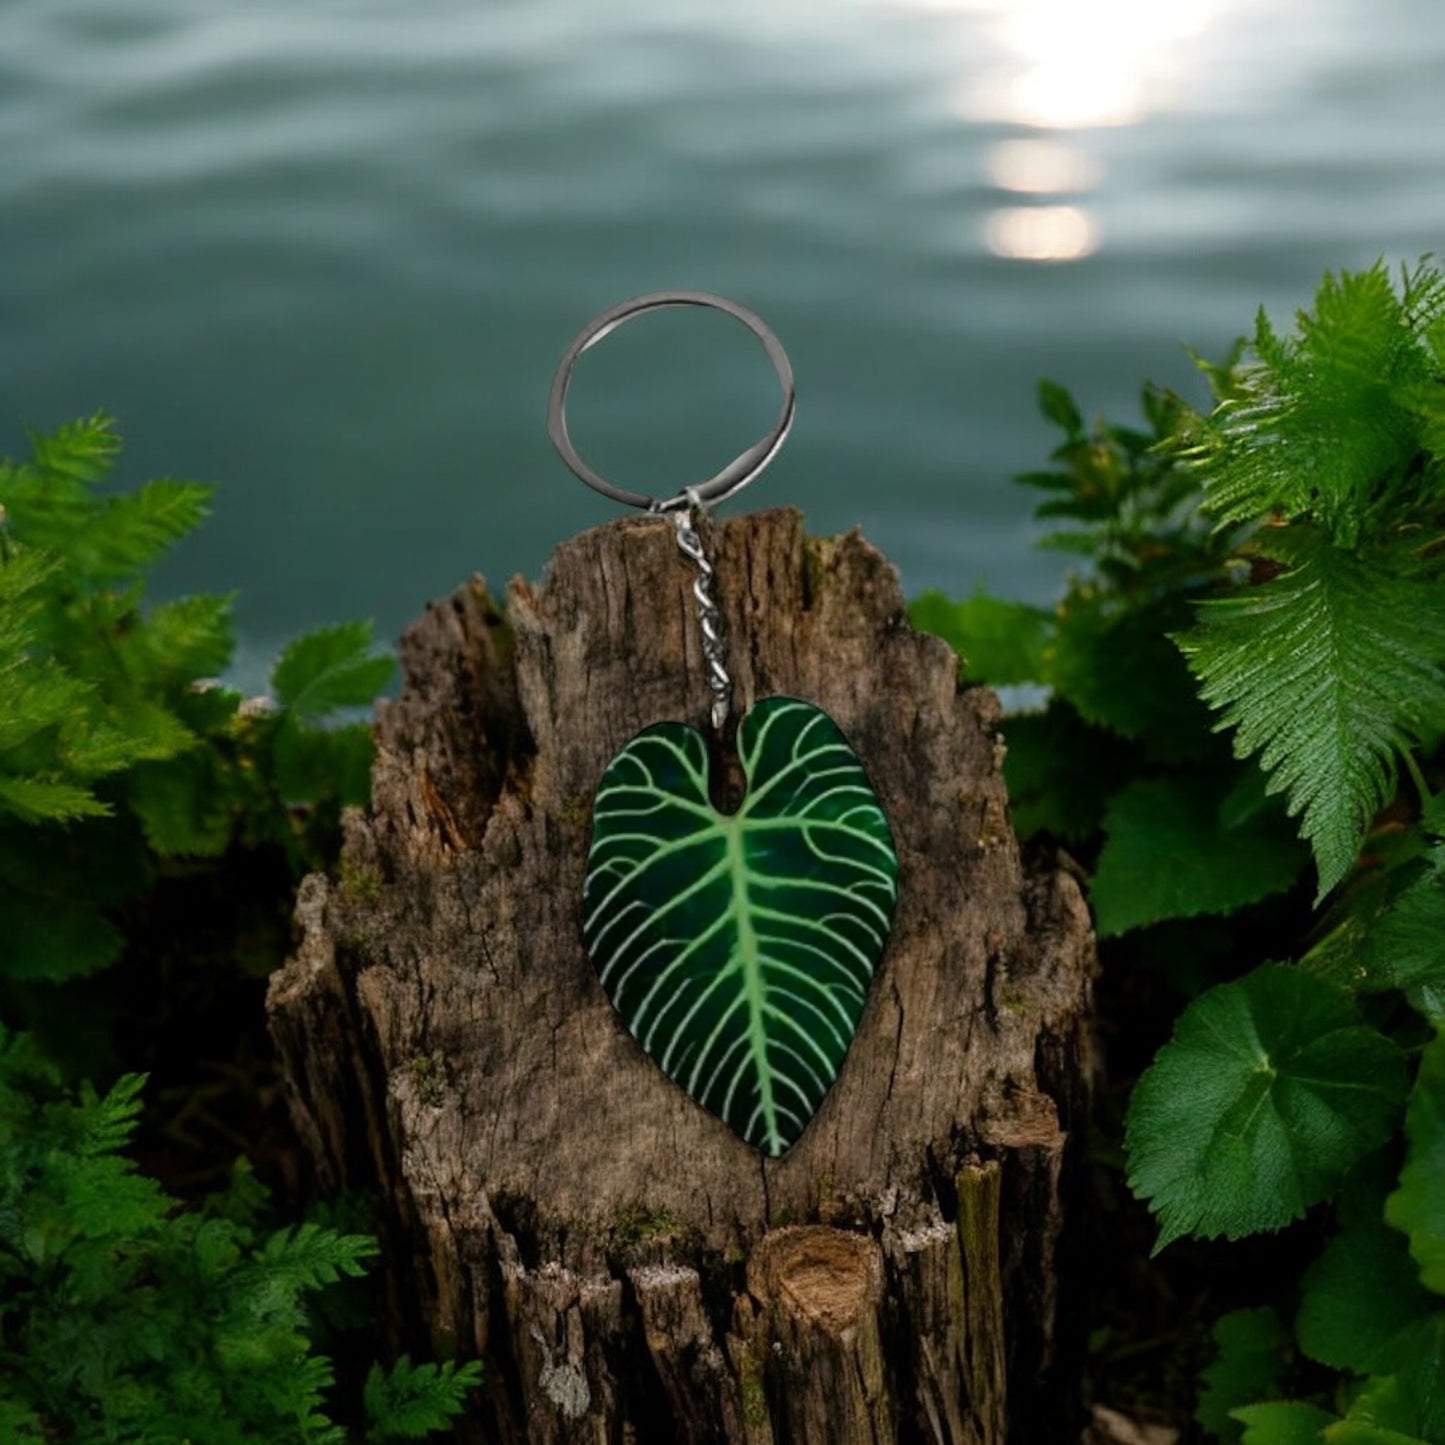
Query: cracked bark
627,1268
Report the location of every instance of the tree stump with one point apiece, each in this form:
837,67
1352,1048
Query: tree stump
628,1268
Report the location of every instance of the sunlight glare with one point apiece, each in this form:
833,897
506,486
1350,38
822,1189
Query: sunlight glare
1082,63
1042,233
1042,167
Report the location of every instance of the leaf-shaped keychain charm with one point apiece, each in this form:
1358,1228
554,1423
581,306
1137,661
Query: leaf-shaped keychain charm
739,948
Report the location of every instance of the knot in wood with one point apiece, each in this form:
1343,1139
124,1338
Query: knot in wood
830,1278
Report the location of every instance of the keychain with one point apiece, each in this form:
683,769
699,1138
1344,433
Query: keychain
738,948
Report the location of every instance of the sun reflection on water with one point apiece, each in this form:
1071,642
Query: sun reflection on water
1042,233
1067,66
1042,167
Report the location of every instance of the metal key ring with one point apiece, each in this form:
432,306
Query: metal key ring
738,472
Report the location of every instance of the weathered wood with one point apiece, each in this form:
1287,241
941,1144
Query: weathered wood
628,1268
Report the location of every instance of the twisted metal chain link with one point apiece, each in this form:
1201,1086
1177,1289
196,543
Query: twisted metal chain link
714,641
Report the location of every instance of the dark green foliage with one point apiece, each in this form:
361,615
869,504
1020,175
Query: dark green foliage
1255,650
1282,1422
1362,1307
1252,1354
127,1319
120,755
410,1401
1418,1206
1177,849
1269,1091
1329,672
153,824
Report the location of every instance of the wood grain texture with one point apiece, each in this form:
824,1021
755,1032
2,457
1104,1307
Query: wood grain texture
629,1268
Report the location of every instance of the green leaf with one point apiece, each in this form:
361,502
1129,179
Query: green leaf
306,1256
313,764
1270,1089
1327,672
41,800
1283,1422
1316,423
1418,1206
739,948
1403,1408
410,1401
1249,1362
184,805
185,640
1168,855
1363,1309
329,669
1404,946
20,1424
134,529
40,939
1060,408
1123,673
83,450
1000,643
1060,771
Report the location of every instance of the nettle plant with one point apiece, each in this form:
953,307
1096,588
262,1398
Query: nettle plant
1245,712
130,778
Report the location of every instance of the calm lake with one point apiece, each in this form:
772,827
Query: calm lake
328,254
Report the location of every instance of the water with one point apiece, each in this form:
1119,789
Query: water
328,254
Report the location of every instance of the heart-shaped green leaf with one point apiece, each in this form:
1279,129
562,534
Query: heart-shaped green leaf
738,948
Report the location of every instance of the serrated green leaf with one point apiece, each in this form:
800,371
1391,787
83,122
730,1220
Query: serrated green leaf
1000,643
185,640
1168,855
309,1255
1403,946
1250,1356
183,805
329,669
1316,422
40,697
314,763
1283,1422
1269,1090
1326,673
82,450
1418,1206
738,948
1406,1407
131,531
128,731
42,940
41,800
1122,673
410,1401
1060,771
1362,1308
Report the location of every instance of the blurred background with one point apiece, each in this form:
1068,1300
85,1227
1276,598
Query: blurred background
328,254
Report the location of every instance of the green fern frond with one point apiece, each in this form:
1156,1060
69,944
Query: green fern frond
131,531
180,641
1327,673
410,1401
83,450
307,1256
108,1121
48,800
1322,425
